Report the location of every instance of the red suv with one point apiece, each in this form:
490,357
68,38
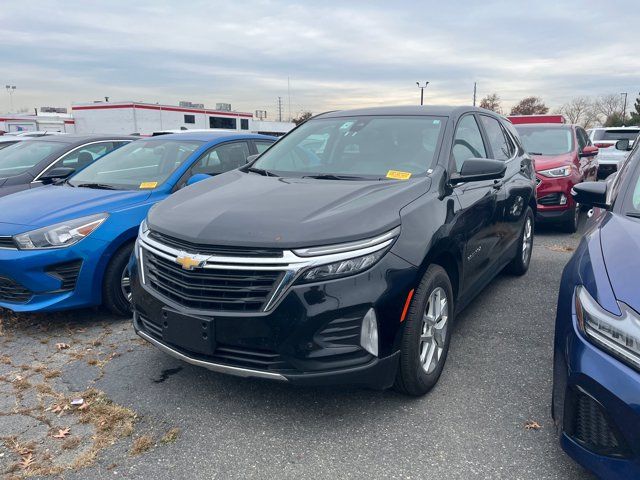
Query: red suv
563,156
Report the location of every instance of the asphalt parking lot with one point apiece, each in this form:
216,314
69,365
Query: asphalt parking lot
146,415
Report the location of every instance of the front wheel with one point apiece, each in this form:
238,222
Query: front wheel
520,263
116,289
571,224
426,335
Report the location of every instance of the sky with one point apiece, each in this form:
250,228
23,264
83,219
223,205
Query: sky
332,54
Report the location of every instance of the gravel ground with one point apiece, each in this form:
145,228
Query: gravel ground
147,415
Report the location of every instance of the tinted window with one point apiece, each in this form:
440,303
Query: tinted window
141,164
546,140
261,146
83,156
222,122
613,134
467,142
500,145
189,119
244,124
358,146
22,156
222,159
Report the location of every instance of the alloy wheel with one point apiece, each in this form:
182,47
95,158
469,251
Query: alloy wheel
434,330
125,284
527,240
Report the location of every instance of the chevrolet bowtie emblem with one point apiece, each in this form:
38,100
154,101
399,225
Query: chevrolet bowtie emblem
188,262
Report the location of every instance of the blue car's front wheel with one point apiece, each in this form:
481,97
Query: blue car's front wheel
116,290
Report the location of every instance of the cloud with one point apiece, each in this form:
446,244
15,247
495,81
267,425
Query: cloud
336,54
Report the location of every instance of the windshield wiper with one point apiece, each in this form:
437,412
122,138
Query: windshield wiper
633,214
535,153
261,171
100,186
333,176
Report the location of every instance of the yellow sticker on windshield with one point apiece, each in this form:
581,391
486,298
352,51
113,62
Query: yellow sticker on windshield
148,184
398,175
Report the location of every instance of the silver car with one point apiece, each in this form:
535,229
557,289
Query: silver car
605,139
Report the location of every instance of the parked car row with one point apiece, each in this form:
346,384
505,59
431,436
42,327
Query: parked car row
340,254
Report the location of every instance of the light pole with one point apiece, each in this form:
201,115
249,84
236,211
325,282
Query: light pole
624,108
10,90
422,91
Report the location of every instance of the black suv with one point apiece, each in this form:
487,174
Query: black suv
343,253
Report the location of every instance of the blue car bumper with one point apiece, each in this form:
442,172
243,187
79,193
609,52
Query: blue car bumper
597,407
56,279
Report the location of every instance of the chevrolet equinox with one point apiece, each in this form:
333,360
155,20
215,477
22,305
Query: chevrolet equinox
342,254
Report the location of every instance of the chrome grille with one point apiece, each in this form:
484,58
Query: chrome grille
220,290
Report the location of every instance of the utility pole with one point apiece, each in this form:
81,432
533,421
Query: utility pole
475,90
10,90
289,96
279,109
422,91
624,109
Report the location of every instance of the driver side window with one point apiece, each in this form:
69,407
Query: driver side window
467,142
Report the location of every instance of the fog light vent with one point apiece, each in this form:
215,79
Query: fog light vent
369,332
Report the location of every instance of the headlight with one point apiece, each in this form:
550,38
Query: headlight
61,234
345,259
556,172
618,335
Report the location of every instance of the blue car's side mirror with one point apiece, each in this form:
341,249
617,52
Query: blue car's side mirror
197,177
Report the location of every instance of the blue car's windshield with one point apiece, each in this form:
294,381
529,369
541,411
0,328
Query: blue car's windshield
20,157
143,164
354,147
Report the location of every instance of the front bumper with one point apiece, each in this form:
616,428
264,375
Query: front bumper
597,407
554,200
310,337
51,280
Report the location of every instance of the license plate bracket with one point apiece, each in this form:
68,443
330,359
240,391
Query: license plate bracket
188,332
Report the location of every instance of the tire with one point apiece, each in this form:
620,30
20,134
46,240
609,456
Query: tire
113,295
571,225
520,263
415,375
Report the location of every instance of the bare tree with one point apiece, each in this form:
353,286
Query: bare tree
580,111
606,106
491,102
530,106
302,117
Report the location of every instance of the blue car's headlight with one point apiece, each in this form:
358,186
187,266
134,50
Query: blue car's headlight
618,335
61,234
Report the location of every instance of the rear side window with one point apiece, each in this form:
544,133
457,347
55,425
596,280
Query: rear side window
500,145
467,142
262,146
83,156
613,134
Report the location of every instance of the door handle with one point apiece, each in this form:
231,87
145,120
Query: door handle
497,184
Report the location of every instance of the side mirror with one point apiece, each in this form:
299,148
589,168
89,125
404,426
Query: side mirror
623,145
54,174
591,194
477,169
251,158
196,178
589,151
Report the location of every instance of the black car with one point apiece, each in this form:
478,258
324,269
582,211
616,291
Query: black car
343,253
34,162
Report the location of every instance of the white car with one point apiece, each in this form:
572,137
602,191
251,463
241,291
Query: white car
605,139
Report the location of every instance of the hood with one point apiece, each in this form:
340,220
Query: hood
247,209
52,204
547,162
620,240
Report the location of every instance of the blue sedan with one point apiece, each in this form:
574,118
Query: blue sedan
596,393
67,245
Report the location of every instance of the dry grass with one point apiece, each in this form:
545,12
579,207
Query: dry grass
70,443
171,435
5,359
49,374
561,248
21,384
112,421
142,444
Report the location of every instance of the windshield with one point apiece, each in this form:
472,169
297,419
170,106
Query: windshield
20,157
367,147
143,164
615,135
542,140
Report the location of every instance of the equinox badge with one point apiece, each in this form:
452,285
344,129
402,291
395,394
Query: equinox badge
188,262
